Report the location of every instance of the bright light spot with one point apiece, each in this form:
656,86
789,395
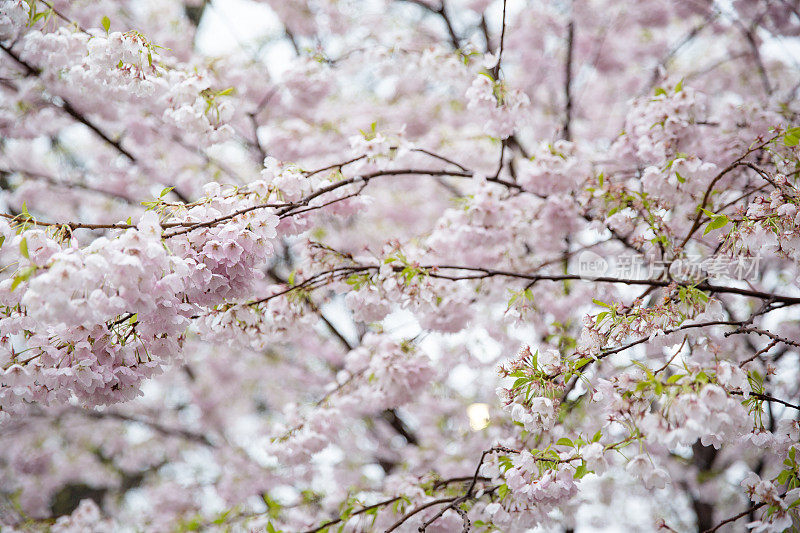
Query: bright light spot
478,414
228,25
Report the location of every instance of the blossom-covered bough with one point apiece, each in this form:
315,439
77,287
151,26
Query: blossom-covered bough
455,265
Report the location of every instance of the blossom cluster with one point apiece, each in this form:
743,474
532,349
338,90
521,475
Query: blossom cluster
365,210
96,320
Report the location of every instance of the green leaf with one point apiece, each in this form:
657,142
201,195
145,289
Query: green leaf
716,223
600,178
2,240
23,248
660,91
597,435
792,137
681,179
222,517
23,275
602,304
580,471
528,294
564,441
519,382
106,22
679,86
502,490
165,191
783,477
674,378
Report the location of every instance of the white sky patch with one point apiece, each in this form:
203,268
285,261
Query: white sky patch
246,27
229,25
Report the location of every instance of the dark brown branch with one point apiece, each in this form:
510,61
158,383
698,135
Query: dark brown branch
486,36
66,184
762,71
440,158
468,494
762,351
736,163
496,68
152,424
389,415
703,286
441,11
483,273
736,517
156,426
63,17
195,13
293,40
568,82
397,423
758,331
689,37
70,225
354,513
68,108
767,398
417,510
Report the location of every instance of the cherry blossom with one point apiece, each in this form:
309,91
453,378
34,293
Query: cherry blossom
399,265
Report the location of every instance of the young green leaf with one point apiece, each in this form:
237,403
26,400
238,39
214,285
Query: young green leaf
24,274
717,222
792,137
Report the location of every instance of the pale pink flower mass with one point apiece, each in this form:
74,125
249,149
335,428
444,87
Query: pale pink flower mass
318,265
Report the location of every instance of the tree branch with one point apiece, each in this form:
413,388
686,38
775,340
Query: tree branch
568,82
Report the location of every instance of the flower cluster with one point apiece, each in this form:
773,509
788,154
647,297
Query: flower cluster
657,127
378,375
95,321
92,321
365,208
501,109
